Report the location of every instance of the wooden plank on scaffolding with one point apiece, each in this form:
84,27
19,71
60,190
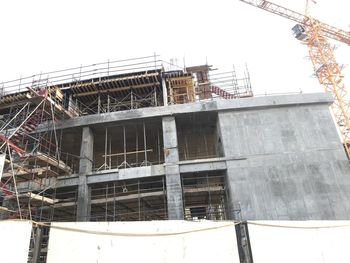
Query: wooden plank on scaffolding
11,98
35,198
38,172
42,158
40,198
2,208
145,75
36,99
88,93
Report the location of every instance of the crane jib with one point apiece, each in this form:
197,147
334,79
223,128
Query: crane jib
328,30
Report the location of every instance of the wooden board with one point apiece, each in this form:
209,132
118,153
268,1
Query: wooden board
43,159
34,198
40,172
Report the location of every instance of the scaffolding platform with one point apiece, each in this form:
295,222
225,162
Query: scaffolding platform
34,199
45,160
35,98
27,173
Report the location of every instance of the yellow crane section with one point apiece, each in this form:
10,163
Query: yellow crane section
315,35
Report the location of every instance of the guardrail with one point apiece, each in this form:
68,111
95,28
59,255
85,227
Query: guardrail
81,73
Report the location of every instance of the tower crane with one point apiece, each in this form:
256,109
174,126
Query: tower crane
315,35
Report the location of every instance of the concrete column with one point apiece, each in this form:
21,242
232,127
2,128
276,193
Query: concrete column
38,238
85,166
172,171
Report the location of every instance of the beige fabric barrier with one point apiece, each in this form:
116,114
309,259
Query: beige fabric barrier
14,241
152,241
300,241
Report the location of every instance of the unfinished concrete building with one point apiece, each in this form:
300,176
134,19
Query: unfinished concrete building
128,140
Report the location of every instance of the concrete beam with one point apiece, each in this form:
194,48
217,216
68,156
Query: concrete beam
125,174
190,166
203,106
204,165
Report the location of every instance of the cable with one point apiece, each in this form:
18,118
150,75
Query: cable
295,227
93,232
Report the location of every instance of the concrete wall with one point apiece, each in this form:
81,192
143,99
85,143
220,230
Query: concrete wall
296,168
283,157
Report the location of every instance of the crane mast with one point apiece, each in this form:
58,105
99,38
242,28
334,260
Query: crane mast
315,35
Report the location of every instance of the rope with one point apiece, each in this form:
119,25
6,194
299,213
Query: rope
231,224
93,232
296,227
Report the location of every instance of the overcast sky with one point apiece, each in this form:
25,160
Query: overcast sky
45,35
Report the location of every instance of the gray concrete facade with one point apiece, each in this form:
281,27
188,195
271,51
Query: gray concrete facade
296,168
282,155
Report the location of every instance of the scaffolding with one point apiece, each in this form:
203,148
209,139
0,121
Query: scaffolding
225,85
129,200
228,86
29,154
205,196
126,146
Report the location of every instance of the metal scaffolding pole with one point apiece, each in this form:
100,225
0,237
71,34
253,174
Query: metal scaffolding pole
145,143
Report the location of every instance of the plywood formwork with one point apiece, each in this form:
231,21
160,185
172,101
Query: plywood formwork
203,82
181,87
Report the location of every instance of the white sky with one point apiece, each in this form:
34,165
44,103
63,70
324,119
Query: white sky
42,35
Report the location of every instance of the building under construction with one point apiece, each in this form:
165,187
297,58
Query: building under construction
130,141
62,165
